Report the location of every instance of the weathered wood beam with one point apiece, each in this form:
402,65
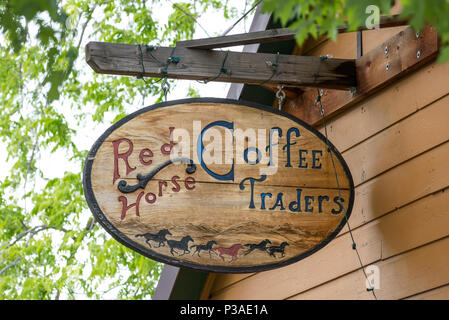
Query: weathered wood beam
390,61
271,35
240,67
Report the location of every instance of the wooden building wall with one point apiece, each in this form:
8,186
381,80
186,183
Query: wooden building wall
396,144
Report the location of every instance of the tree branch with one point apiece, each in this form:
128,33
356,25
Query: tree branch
12,264
88,18
32,231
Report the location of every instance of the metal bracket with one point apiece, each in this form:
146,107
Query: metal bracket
390,61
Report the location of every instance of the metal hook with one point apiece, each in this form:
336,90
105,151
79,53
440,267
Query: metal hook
280,95
165,87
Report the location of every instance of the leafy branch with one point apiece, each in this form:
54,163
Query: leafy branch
318,18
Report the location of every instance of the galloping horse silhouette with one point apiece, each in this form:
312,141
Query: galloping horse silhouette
182,244
158,237
205,247
262,246
231,251
280,249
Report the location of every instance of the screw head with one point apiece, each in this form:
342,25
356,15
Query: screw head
353,91
321,92
387,67
386,50
417,35
418,54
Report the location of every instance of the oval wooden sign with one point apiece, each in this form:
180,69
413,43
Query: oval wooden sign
218,185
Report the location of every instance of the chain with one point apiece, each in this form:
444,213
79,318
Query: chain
329,149
165,86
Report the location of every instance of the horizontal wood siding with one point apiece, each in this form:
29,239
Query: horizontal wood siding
402,276
441,293
396,144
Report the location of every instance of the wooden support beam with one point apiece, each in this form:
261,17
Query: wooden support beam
271,35
393,59
237,67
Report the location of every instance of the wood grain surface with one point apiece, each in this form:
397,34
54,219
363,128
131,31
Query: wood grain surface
239,67
252,220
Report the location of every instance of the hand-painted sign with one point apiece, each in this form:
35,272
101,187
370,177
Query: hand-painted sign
218,185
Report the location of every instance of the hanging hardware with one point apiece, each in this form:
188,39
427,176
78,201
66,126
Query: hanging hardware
280,95
329,149
165,88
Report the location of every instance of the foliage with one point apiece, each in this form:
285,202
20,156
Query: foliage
50,246
323,17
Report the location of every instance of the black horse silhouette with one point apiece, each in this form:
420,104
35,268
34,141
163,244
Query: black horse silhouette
205,247
262,246
273,249
157,237
182,244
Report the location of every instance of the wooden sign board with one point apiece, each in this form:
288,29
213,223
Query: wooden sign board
218,185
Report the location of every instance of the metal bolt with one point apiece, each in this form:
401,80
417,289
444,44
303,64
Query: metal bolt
418,54
387,67
321,92
386,50
417,35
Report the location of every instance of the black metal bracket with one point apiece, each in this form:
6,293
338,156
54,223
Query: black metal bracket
143,180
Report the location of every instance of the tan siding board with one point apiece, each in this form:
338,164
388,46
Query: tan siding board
403,184
411,273
310,45
412,136
225,280
389,106
441,293
344,48
415,225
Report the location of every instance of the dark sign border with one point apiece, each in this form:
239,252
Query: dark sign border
120,237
